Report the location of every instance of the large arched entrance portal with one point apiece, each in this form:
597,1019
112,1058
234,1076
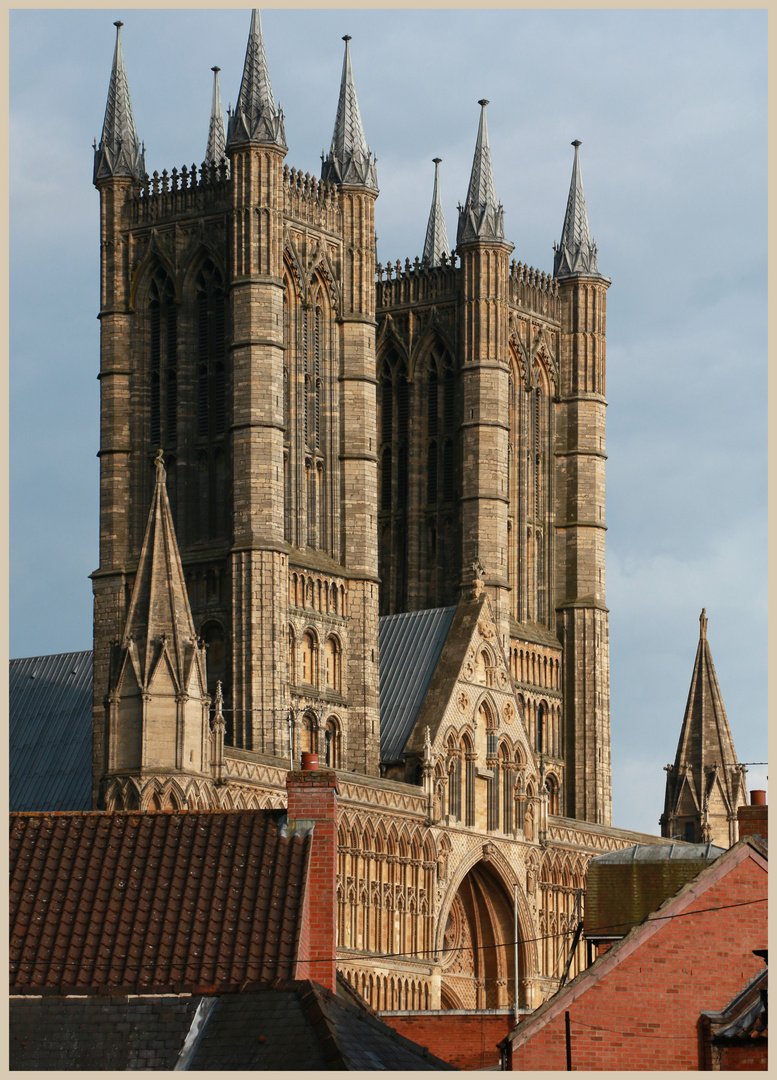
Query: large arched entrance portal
478,970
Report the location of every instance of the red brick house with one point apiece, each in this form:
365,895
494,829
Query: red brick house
736,1038
639,1005
195,940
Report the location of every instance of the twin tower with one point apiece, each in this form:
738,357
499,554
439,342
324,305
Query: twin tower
340,441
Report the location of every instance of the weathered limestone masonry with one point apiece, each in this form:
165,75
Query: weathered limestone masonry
706,791
333,447
580,526
238,335
484,383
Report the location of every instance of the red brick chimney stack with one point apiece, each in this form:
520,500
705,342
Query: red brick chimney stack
754,819
312,800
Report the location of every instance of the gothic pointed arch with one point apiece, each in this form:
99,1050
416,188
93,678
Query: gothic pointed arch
434,342
322,266
198,252
294,269
155,258
389,341
542,351
475,929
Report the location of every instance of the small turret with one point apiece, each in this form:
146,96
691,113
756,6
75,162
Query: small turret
119,152
706,785
159,617
436,244
256,119
217,141
576,254
158,706
349,160
481,217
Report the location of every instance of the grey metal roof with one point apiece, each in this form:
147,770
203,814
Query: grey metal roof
50,736
410,646
661,853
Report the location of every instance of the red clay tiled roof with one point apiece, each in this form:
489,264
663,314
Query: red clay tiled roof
153,901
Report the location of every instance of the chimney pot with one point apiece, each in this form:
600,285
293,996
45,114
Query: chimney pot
309,762
758,798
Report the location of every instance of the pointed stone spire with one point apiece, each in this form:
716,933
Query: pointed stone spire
217,141
576,254
706,784
119,152
159,616
349,160
256,118
481,217
436,244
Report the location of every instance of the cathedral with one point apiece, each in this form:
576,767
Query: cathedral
358,511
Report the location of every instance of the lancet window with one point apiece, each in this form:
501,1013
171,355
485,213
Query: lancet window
209,517
540,497
163,362
308,417
333,743
333,661
393,428
309,658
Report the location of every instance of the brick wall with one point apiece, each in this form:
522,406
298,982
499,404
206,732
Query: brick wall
643,1012
743,1056
466,1041
753,821
312,796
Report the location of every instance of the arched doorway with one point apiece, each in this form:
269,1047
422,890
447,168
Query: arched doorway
478,969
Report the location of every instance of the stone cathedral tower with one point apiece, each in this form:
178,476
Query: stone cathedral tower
337,446
491,403
325,481
237,324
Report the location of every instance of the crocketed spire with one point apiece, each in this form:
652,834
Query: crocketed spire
349,160
256,118
159,616
119,152
705,785
481,217
436,244
576,254
217,141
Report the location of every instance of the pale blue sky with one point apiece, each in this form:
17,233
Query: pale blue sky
671,110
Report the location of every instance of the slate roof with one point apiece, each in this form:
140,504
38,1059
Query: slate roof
410,646
303,1026
286,1025
129,902
651,853
746,1017
51,714
50,732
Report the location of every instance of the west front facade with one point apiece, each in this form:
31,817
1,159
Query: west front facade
359,511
